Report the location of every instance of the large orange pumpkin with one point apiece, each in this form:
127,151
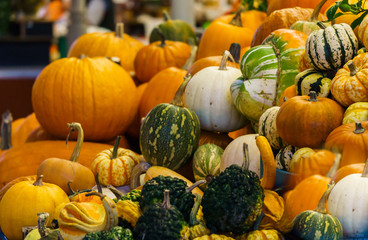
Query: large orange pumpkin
304,121
111,44
95,92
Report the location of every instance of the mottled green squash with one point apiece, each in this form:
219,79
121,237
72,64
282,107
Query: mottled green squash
170,132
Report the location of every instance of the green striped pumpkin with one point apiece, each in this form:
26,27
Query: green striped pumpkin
330,48
318,224
312,80
169,134
206,162
284,156
267,69
267,128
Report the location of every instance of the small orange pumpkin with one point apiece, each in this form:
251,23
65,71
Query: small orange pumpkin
347,170
289,92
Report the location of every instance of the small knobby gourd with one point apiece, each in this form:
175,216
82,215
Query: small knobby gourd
356,112
317,223
61,171
208,95
312,80
348,202
22,202
170,145
114,166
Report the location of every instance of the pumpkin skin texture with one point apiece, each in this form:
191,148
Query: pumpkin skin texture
350,140
349,84
160,55
164,141
4,189
80,90
273,5
111,44
340,46
362,35
20,133
19,210
305,122
208,95
347,170
356,112
250,18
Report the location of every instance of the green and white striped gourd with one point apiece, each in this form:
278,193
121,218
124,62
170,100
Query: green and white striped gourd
284,156
267,69
318,224
169,134
312,80
331,47
206,162
267,128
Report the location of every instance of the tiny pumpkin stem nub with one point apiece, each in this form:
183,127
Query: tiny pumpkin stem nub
316,11
38,181
235,50
312,96
178,98
359,128
119,30
6,128
236,21
116,148
245,165
162,36
82,56
321,207
353,69
77,148
224,59
166,203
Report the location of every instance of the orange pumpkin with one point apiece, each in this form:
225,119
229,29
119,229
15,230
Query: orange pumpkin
20,133
347,170
118,44
273,5
248,129
289,92
351,140
279,19
304,121
232,31
160,55
5,188
95,92
61,171
39,134
349,84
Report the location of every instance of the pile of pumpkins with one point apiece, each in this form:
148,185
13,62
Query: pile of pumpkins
283,90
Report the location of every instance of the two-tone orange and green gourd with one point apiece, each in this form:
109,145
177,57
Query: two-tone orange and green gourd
169,134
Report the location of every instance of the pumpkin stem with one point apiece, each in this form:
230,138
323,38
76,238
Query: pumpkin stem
335,166
116,148
312,96
96,193
167,16
245,165
191,58
316,11
136,173
353,69
77,148
115,191
236,21
196,184
178,98
72,192
82,56
6,128
38,181
258,221
193,213
235,50
166,203
321,207
321,25
41,223
119,30
359,128
224,59
98,184
162,36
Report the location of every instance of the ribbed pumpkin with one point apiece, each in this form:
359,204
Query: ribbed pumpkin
114,165
160,55
312,80
317,223
331,47
232,30
273,5
349,84
82,90
22,202
362,35
208,95
164,141
350,139
304,121
5,188
60,171
110,44
356,112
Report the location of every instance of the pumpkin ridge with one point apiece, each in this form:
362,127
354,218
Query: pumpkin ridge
341,45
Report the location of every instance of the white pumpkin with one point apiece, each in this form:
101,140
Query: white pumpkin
348,201
208,95
233,153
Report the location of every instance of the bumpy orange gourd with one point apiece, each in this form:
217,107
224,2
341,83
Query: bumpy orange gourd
61,171
160,55
96,92
304,121
22,202
110,44
114,165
